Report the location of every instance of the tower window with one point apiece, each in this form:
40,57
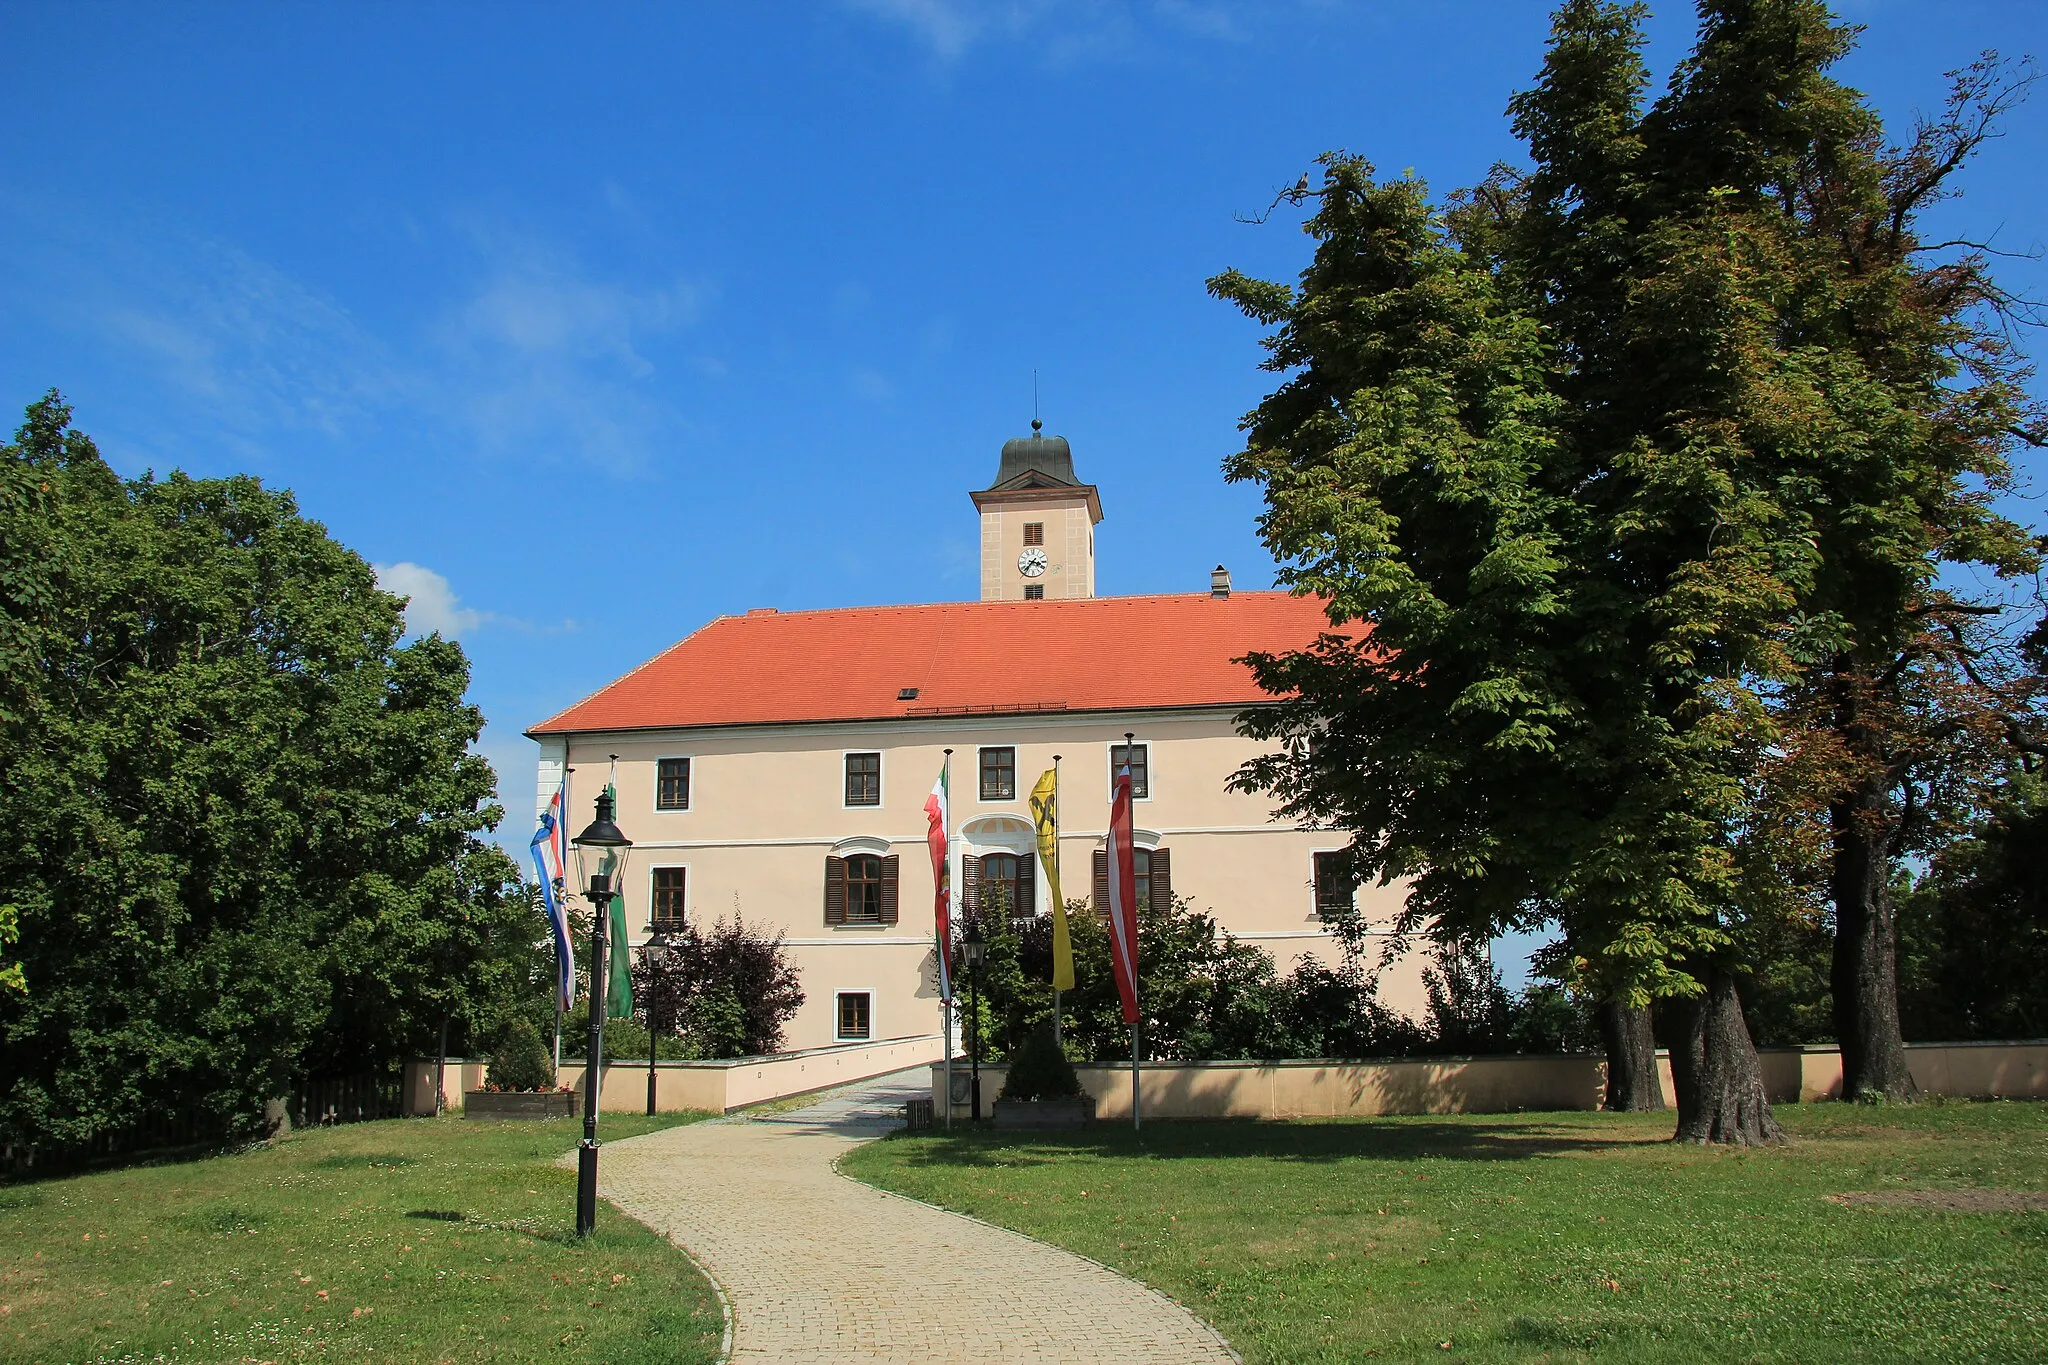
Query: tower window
1034,533
1034,592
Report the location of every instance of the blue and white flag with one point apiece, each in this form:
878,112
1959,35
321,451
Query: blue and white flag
547,864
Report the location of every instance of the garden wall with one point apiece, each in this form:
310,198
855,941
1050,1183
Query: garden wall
1490,1085
717,1086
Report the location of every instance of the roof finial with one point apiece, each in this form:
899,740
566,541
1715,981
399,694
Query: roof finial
1036,425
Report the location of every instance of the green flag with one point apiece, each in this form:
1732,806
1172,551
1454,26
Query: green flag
618,1002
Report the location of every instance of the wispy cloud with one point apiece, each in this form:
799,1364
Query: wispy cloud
537,358
1066,30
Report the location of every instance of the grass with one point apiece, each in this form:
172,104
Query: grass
1558,1237
408,1240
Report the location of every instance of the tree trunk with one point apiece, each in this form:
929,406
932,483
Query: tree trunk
1719,1079
1632,1083
1866,965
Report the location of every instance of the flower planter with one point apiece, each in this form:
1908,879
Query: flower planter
519,1104
1045,1114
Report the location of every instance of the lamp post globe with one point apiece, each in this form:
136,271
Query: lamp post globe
974,948
655,953
601,852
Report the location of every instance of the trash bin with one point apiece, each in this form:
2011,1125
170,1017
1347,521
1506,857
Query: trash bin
918,1114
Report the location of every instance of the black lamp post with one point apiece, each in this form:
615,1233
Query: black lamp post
655,952
601,851
974,948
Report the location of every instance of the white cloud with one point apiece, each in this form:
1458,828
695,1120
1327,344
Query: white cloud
431,603
538,359
1065,30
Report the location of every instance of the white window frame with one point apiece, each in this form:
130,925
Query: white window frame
689,891
870,993
654,798
1151,770
881,779
1016,777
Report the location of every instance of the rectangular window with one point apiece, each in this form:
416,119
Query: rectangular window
1139,757
863,779
856,1021
1034,533
1141,875
672,784
1034,592
668,897
1335,891
999,774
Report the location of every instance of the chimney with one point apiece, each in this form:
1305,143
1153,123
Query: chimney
1219,582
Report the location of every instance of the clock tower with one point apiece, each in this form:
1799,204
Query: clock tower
1037,523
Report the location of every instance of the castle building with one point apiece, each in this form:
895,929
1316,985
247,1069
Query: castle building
776,763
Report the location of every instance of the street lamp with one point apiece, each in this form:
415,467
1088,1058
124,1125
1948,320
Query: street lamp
974,948
655,953
601,851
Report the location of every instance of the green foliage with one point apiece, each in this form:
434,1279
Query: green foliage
1628,479
519,1060
1039,1070
245,828
1207,997
1973,933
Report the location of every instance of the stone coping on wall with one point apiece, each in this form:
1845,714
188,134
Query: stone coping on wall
1362,1087
717,1085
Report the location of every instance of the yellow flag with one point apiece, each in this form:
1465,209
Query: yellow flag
1045,813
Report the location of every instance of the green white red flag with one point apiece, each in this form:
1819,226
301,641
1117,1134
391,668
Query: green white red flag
938,809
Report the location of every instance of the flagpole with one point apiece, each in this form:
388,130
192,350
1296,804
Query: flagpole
561,891
946,949
1056,882
1137,1117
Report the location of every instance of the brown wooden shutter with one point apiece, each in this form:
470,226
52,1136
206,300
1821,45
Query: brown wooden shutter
890,866
1027,887
835,890
1162,881
1102,881
970,884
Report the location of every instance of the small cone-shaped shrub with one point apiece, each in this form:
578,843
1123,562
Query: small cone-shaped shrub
1040,1071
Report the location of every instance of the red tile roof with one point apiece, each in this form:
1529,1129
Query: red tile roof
1079,654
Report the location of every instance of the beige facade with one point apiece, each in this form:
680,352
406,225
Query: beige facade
767,808
1065,518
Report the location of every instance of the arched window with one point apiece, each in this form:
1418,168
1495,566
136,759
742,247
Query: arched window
999,884
863,889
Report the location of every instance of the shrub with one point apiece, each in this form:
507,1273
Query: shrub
520,1061
724,991
1040,1071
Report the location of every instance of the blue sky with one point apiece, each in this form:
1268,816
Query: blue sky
593,322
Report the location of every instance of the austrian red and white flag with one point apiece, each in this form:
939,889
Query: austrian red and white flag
938,812
1123,896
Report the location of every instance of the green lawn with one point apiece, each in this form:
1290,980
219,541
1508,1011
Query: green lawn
1542,1237
342,1243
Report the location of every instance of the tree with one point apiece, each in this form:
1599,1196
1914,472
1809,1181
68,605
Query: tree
728,991
244,822
1974,930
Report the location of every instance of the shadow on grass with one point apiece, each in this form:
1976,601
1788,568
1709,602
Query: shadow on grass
1505,1139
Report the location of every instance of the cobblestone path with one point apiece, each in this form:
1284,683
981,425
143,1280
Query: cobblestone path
818,1267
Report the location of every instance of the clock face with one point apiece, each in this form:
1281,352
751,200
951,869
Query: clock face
1032,562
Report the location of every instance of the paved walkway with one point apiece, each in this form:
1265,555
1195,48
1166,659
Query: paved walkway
818,1267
